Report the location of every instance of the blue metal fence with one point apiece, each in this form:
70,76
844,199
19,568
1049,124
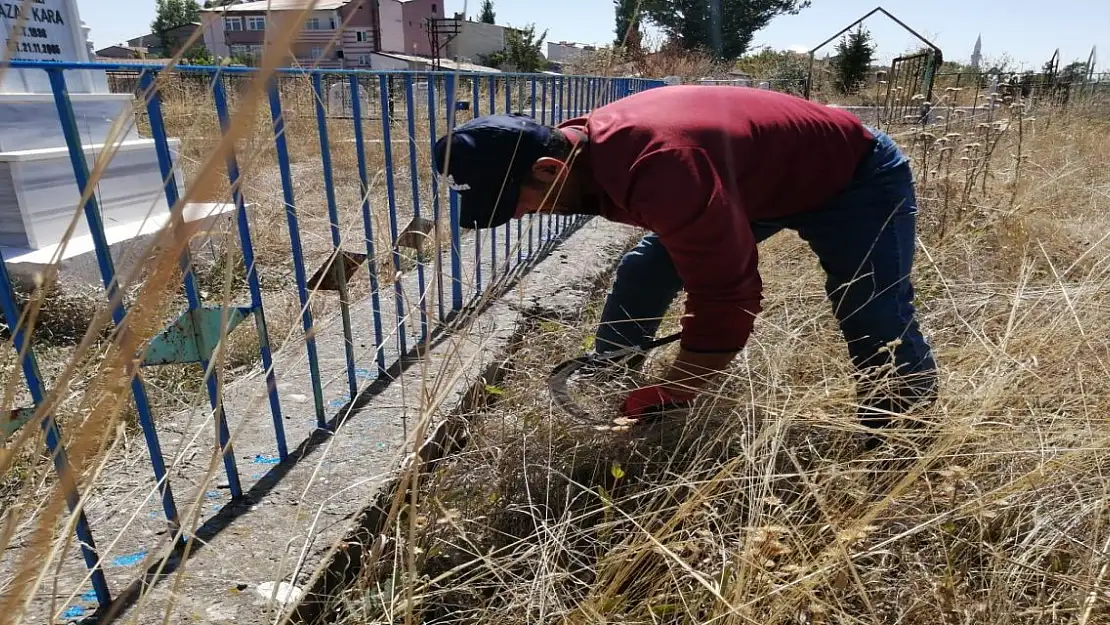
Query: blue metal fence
549,98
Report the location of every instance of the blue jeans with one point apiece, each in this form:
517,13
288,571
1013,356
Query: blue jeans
863,239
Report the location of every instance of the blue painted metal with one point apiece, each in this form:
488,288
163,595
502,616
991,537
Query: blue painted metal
453,211
543,119
476,86
108,274
340,266
30,366
197,331
531,217
508,238
387,145
367,225
246,245
492,231
189,339
298,255
410,109
433,137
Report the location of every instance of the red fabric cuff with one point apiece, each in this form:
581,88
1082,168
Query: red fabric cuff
717,328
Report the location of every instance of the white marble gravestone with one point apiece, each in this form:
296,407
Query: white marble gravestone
38,193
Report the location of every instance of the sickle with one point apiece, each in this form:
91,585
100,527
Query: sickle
557,381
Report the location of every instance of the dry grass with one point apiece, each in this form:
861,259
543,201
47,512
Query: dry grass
761,507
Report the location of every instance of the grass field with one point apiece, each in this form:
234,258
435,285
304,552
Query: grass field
760,506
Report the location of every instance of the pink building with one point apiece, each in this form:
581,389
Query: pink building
337,34
414,13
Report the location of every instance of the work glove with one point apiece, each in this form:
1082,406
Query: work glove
651,401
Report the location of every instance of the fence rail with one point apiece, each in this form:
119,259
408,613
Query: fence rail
316,159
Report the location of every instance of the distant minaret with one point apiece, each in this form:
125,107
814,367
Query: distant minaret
977,52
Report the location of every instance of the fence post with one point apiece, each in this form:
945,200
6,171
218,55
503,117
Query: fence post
410,107
29,364
384,95
246,244
108,274
433,138
367,224
453,206
338,258
165,162
282,149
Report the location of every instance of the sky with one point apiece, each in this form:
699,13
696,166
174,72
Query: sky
1025,31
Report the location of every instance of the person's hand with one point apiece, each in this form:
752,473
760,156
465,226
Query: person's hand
651,400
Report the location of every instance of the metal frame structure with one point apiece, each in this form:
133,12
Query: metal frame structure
195,334
440,33
936,63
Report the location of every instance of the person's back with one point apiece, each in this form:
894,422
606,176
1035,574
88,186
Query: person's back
779,154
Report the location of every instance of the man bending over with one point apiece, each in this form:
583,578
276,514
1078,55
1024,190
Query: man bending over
710,172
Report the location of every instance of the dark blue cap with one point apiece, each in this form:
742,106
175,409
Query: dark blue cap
489,158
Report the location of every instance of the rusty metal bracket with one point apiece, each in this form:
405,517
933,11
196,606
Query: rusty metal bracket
194,336
416,234
17,418
328,276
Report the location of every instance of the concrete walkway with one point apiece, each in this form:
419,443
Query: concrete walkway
292,512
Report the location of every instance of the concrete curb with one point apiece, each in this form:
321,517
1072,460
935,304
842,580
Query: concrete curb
559,287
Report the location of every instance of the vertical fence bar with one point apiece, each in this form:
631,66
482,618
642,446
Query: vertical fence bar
29,364
246,244
492,231
476,85
410,105
295,244
108,274
340,266
432,79
543,120
165,164
577,96
508,242
367,224
531,222
453,209
562,117
386,95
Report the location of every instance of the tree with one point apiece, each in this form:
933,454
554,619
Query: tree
627,24
523,51
721,27
170,14
854,53
486,14
198,55
173,13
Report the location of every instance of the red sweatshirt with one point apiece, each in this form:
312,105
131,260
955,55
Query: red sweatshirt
696,164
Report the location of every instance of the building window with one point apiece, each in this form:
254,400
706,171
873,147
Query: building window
313,23
233,23
364,60
256,23
433,8
316,52
362,36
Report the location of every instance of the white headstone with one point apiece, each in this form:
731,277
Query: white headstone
339,100
45,30
38,192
